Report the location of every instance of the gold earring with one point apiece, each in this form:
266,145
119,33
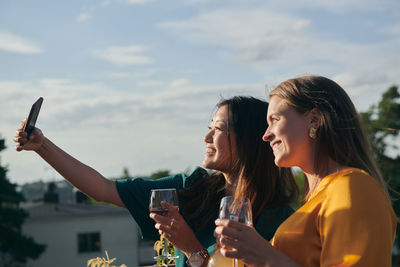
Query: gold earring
312,134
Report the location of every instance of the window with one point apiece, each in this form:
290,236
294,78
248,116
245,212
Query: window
89,242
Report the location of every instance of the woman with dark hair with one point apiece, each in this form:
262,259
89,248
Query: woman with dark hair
347,218
243,166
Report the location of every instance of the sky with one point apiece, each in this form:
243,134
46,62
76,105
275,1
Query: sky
133,83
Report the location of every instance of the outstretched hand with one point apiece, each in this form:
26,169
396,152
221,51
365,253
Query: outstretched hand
175,229
34,142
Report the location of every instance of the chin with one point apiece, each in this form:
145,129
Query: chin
282,164
206,164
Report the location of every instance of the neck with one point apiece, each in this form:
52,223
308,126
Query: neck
230,182
314,177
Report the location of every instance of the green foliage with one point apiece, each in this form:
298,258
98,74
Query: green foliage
15,247
382,123
300,180
159,174
125,173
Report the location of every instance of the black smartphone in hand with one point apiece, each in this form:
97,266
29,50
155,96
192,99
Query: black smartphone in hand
33,115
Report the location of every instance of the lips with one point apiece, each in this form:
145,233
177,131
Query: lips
275,145
210,150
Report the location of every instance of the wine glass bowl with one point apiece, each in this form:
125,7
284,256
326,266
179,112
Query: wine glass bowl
158,195
237,210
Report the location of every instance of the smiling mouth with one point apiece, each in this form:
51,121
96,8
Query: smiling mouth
210,151
275,146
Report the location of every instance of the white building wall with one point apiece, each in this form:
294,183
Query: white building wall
118,235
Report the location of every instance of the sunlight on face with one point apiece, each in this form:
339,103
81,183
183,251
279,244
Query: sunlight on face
288,134
220,145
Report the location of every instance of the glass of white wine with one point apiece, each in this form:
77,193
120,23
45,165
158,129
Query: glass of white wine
237,210
156,197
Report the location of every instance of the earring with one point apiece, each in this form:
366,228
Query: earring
312,134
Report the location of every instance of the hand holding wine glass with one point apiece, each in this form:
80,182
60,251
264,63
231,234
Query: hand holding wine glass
237,210
168,195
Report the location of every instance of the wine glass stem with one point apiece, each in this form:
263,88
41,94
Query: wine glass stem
166,252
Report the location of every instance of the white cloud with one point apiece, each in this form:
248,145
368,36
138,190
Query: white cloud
149,83
106,3
17,44
135,2
143,73
83,17
254,34
123,55
275,42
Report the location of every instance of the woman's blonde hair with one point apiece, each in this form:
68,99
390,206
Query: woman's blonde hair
340,136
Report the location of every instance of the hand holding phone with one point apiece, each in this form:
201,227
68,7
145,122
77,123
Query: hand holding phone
33,115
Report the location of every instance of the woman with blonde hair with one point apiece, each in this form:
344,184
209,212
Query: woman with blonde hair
347,218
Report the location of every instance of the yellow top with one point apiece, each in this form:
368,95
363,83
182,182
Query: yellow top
348,221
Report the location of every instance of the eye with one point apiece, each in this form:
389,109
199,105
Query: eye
274,118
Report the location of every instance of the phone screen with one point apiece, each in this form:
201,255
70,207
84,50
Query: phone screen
33,115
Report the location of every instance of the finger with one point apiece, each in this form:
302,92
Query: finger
227,232
22,125
17,139
217,231
231,224
165,234
172,210
160,219
161,227
21,133
229,253
19,143
228,243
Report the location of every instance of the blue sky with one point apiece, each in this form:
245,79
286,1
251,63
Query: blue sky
133,83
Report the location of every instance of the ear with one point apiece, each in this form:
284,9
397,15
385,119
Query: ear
315,118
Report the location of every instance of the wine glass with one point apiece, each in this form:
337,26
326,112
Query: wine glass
168,195
237,210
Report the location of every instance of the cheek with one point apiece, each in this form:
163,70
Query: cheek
223,148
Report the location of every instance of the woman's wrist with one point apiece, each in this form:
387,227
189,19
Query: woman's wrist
45,143
196,248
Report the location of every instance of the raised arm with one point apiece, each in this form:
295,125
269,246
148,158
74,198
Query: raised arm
85,178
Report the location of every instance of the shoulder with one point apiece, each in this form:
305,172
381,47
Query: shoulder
355,182
356,191
198,174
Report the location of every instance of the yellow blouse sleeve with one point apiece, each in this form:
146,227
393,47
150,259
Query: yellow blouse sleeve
356,229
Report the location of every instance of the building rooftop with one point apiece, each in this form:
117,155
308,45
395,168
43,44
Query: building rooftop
57,211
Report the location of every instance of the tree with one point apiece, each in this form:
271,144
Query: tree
159,174
382,123
15,247
125,173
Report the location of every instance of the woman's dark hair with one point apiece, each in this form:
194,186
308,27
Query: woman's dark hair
258,178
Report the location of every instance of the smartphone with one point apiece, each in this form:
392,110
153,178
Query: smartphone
33,115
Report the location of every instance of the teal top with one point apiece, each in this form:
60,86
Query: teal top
135,193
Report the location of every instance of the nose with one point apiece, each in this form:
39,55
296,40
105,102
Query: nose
208,137
268,136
